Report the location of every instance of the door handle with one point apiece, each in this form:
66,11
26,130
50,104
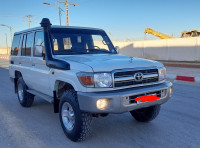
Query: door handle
20,63
33,64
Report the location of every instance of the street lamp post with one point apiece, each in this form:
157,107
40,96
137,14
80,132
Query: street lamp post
57,7
6,43
10,28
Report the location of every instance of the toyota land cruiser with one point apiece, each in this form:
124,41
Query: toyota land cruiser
80,72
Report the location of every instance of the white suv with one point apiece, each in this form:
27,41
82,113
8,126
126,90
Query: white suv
79,71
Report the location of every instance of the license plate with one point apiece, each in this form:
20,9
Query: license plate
147,98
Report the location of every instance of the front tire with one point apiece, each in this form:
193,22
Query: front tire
75,123
25,99
146,114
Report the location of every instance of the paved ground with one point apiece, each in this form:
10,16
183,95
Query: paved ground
192,72
178,124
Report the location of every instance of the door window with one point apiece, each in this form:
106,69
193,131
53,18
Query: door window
39,41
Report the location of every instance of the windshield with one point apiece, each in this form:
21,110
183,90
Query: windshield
80,41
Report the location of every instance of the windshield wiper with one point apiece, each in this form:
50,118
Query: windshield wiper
77,52
99,50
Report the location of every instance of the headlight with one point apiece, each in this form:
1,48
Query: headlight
95,80
103,80
162,73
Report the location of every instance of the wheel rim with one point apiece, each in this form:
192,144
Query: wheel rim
68,116
20,92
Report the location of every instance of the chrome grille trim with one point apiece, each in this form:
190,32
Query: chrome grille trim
132,78
125,77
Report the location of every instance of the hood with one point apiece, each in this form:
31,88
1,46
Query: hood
109,62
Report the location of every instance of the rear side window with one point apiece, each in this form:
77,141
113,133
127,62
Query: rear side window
15,45
29,41
23,45
27,44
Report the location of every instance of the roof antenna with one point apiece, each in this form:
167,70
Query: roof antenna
45,23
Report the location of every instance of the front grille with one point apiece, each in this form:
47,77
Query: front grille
126,78
132,98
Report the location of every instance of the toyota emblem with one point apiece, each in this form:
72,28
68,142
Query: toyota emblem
138,76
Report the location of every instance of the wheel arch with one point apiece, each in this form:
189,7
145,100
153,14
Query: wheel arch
60,86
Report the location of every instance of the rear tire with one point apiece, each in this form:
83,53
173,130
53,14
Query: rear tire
146,114
25,99
75,123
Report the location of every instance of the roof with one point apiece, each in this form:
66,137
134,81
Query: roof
56,26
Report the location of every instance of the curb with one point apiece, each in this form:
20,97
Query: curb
183,78
188,65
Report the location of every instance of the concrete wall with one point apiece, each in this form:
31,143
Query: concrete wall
179,49
3,51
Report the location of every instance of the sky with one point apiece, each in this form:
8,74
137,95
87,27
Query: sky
121,19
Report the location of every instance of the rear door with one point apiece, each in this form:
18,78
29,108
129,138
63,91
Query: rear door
25,59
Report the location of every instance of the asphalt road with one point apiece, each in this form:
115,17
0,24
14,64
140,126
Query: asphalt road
178,124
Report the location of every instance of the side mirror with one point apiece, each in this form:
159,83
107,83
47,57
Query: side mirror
38,51
117,49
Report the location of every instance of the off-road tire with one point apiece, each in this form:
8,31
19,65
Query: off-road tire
83,120
146,114
28,98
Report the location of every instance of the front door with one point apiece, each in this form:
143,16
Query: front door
40,72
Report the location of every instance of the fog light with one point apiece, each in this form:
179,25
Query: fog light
102,104
170,91
163,93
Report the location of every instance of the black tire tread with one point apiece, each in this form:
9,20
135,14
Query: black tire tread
148,114
86,130
85,121
28,98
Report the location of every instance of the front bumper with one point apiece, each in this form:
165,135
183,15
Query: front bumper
118,99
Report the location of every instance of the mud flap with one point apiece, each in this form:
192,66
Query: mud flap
56,102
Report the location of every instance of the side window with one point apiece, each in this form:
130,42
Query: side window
15,44
39,41
23,45
29,41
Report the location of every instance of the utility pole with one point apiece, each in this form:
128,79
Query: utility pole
66,3
57,7
29,20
